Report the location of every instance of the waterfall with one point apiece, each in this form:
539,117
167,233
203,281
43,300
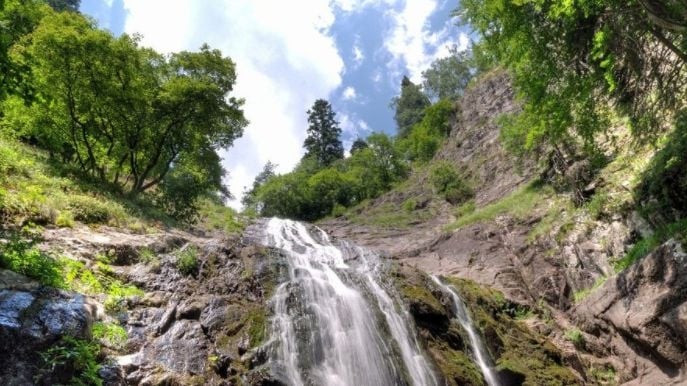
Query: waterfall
334,323
479,351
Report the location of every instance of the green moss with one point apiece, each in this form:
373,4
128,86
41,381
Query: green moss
416,293
514,346
456,366
257,326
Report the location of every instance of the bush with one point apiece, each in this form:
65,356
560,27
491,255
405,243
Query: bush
21,256
75,356
187,261
663,189
89,210
449,184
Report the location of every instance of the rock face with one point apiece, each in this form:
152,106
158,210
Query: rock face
522,356
33,319
640,316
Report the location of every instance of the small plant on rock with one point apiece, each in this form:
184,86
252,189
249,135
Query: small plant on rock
187,261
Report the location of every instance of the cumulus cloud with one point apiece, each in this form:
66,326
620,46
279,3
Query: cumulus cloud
349,93
411,42
285,57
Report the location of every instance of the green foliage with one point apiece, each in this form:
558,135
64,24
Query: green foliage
647,244
110,334
65,5
358,144
449,184
20,255
257,330
663,188
177,110
311,192
216,216
409,107
576,337
447,78
323,142
187,261
34,188
249,199
17,18
409,205
518,204
568,60
75,355
425,138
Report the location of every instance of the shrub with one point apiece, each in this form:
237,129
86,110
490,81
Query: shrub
187,261
74,354
22,257
449,184
65,219
89,210
663,189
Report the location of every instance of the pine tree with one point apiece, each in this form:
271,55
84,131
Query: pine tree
323,142
410,106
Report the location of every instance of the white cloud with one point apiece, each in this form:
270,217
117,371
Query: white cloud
349,93
285,60
411,43
358,55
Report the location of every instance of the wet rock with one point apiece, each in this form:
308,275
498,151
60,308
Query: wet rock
31,322
183,348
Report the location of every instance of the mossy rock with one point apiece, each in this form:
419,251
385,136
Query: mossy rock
521,356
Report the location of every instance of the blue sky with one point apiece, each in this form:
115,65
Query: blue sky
351,52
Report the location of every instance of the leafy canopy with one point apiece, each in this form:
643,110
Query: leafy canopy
573,60
127,115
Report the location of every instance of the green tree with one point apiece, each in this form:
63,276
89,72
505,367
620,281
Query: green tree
571,60
426,137
65,5
323,142
409,106
17,18
358,144
447,78
130,116
249,199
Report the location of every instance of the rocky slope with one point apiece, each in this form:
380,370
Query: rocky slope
544,252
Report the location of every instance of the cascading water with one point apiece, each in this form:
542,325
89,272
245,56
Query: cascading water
334,323
478,349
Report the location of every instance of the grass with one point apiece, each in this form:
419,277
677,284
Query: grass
646,245
518,204
582,294
35,188
110,334
217,217
388,215
575,336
